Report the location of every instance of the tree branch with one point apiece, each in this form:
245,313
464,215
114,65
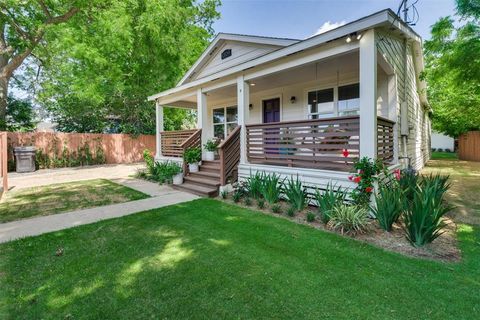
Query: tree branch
45,8
63,18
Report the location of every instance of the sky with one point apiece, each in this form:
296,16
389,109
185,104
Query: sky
300,19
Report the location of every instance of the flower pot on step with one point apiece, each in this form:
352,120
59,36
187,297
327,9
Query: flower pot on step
193,167
178,179
209,155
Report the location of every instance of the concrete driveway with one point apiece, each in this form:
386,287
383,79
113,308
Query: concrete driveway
51,176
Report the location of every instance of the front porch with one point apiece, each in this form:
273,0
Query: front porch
315,112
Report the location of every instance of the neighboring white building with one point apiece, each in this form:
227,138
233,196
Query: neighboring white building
299,106
441,141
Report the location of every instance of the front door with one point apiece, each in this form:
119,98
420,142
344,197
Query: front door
271,110
271,113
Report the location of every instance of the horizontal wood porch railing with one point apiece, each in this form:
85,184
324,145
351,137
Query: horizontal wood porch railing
229,152
317,144
172,142
385,138
195,140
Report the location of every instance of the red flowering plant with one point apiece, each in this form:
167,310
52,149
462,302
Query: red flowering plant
366,173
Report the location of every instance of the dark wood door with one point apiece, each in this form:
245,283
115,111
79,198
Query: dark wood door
271,110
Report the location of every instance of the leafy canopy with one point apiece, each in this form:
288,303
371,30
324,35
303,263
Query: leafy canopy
453,70
102,67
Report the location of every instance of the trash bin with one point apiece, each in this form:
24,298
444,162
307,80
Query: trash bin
25,158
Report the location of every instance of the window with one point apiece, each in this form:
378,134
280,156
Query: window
320,103
224,121
349,99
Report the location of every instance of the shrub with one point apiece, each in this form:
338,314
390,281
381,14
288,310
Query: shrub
276,208
423,217
270,188
247,201
388,206
328,200
439,150
448,150
192,155
237,195
310,216
261,203
211,145
434,149
254,185
291,212
349,219
295,194
367,172
224,194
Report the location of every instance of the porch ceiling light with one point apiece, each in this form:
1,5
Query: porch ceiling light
252,84
359,36
349,39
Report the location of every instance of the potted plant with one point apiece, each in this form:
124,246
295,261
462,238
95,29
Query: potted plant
192,157
177,173
210,147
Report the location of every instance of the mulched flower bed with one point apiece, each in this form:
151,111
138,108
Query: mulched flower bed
444,248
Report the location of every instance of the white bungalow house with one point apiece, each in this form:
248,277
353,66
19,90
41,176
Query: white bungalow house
294,107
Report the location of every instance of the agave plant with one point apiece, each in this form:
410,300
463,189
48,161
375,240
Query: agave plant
388,206
270,188
295,193
423,217
439,183
327,200
408,183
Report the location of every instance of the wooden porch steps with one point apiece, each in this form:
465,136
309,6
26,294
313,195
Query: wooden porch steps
205,182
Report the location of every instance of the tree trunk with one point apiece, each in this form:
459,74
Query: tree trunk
3,101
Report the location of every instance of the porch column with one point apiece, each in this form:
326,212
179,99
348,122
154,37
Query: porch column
202,114
159,128
243,102
368,95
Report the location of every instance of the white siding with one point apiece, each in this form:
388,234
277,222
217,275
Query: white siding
241,52
418,140
442,141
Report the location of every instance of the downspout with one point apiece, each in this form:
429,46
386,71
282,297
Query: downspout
405,136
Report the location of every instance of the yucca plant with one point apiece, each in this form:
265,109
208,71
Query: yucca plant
254,185
438,182
423,217
388,206
348,219
295,193
327,200
270,188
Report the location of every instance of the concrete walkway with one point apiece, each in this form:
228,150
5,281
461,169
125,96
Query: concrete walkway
39,225
51,176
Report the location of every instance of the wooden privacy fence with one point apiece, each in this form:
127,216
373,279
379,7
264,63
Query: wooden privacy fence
385,139
469,146
116,148
318,143
3,162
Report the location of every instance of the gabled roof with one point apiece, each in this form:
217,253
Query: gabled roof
222,37
386,18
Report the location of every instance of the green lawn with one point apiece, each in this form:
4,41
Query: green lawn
207,259
444,156
63,197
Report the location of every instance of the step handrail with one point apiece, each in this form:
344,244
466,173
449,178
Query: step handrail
229,152
195,140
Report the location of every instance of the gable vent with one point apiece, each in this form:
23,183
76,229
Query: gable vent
226,53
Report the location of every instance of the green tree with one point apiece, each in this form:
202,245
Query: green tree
24,26
102,69
453,70
20,115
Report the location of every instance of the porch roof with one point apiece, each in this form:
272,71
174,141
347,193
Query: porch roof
382,18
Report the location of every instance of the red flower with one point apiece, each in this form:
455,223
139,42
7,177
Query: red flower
357,179
350,178
345,153
368,189
397,174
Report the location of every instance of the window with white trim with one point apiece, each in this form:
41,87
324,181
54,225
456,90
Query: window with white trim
321,104
349,99
224,121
